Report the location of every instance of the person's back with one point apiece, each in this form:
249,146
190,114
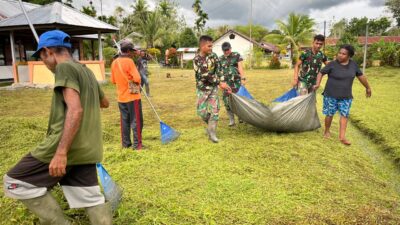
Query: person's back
87,145
123,69
124,73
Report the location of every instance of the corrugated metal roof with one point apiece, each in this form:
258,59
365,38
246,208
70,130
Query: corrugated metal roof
187,49
9,8
58,15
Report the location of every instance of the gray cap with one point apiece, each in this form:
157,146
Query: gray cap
125,44
226,46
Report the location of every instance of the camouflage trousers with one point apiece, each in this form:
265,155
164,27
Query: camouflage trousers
225,97
208,104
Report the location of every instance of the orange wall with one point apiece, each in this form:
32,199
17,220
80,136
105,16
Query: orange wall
39,74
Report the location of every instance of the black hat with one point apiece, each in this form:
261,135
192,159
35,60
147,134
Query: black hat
226,46
126,44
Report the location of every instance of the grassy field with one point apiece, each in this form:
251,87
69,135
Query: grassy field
250,177
378,117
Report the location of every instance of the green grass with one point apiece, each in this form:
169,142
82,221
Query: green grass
378,116
250,177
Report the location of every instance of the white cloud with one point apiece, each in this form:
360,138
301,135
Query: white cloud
265,12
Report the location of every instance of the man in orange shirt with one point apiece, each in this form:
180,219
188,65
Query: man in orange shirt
123,69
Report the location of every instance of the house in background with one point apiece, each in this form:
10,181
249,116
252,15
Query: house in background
241,43
186,54
17,43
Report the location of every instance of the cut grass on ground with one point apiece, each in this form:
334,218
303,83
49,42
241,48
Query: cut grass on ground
250,177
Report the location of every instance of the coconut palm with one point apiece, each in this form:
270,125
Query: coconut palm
151,28
296,32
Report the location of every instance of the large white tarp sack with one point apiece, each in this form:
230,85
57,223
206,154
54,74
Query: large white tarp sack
295,115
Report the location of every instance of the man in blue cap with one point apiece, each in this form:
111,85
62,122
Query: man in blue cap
73,144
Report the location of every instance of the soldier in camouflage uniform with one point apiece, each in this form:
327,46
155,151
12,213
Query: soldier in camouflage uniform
310,61
206,67
231,72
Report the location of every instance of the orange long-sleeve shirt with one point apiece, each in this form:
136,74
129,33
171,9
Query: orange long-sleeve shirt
130,72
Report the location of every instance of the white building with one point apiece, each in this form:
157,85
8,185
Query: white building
240,43
186,54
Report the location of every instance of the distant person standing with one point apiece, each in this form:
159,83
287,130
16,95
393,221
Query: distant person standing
232,73
206,67
338,90
124,72
142,63
310,62
170,54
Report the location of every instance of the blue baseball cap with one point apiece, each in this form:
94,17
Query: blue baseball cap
53,38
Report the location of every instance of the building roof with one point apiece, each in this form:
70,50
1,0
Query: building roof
264,45
57,16
11,8
371,40
187,50
270,47
236,33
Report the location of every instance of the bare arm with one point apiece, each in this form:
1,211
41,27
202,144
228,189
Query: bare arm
364,82
241,72
296,73
318,82
71,126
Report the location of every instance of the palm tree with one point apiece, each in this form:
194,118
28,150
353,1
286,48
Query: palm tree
222,30
151,28
297,31
338,29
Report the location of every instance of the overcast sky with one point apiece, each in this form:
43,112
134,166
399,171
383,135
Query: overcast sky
265,12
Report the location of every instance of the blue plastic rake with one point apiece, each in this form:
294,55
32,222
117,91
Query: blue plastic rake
112,191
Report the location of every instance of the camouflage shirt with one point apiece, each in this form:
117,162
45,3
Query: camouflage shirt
206,71
229,71
311,66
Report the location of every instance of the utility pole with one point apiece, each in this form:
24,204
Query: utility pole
29,21
251,42
101,9
324,35
365,49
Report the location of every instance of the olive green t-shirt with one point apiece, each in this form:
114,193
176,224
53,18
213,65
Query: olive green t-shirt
87,146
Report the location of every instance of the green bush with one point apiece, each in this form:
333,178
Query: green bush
189,65
108,53
155,52
258,57
275,63
390,54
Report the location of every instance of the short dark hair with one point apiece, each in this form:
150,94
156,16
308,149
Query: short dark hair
126,49
205,38
349,48
319,37
58,50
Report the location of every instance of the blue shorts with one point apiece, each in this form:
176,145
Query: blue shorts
332,105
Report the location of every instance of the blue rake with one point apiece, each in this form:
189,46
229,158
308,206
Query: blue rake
244,92
287,96
167,133
112,191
